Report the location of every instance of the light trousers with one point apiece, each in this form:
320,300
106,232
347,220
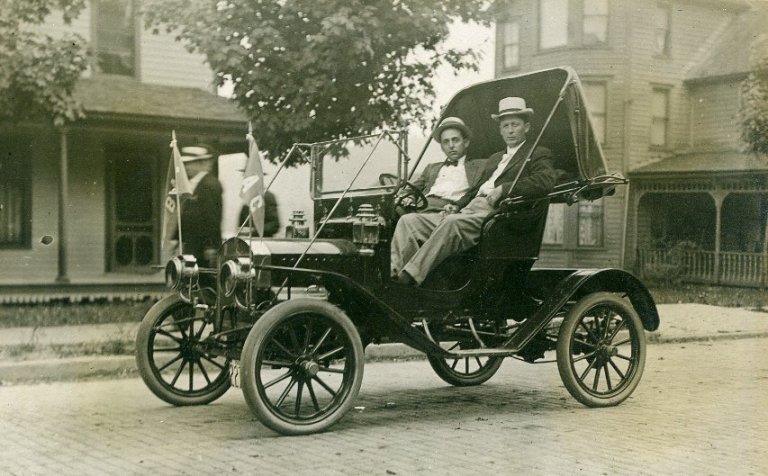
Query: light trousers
424,240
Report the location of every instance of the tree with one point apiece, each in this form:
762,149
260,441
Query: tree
309,70
38,72
754,112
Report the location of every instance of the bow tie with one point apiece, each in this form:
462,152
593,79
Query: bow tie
450,163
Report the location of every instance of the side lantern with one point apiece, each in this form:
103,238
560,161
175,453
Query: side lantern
233,272
181,274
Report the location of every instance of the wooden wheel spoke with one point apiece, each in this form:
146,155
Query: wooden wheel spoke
596,381
170,362
324,385
282,347
625,341
279,379
331,370
321,341
212,361
167,349
178,373
585,356
616,369
285,393
276,363
202,371
607,377
466,365
479,362
165,333
455,363
616,330
624,357
299,391
294,338
330,353
579,341
586,371
311,392
589,331
191,375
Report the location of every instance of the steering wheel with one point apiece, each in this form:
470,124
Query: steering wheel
408,198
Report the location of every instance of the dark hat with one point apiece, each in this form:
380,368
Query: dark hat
512,106
451,123
195,152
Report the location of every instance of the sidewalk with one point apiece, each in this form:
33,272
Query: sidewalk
35,354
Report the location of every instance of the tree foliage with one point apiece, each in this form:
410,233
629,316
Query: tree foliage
309,70
38,72
754,93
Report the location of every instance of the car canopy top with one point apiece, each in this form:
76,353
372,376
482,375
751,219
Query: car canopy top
560,120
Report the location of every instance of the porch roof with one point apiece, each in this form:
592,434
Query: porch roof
118,96
705,163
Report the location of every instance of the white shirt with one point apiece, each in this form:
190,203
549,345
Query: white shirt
451,182
487,187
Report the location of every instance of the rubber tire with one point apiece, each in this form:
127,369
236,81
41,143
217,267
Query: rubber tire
445,372
143,360
253,344
568,327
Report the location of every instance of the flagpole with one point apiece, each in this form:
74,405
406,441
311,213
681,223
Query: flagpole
178,199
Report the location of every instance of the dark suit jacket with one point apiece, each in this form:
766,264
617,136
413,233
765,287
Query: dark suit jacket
271,219
201,218
538,177
425,181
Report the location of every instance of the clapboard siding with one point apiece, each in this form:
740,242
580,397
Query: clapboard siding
165,61
714,115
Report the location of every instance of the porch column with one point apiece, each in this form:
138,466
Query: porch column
718,196
63,200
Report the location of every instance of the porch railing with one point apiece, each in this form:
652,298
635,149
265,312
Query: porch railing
742,269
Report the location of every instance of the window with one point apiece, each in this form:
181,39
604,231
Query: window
662,18
591,223
115,37
595,27
15,196
597,101
553,230
659,116
553,23
511,44
132,181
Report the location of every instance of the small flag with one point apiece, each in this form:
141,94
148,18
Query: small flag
181,182
252,188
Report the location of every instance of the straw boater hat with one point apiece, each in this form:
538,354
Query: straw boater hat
452,123
512,106
195,152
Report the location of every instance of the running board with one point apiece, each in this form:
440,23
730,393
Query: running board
460,354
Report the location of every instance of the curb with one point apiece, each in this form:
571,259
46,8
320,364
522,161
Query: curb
124,366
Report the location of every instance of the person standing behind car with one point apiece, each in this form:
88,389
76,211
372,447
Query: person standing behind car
201,213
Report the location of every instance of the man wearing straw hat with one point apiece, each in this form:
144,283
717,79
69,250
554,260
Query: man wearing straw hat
201,213
460,227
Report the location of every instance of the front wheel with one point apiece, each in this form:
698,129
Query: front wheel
462,371
302,366
601,350
171,359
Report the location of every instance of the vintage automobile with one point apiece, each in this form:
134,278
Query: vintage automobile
288,319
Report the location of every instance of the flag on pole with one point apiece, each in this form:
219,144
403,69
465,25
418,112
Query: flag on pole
177,187
252,189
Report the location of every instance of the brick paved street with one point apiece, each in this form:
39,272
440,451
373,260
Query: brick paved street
700,409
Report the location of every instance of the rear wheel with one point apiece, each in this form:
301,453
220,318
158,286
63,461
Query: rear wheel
463,371
171,360
302,366
601,350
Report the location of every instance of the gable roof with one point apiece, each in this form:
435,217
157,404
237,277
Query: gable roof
731,55
115,95
705,162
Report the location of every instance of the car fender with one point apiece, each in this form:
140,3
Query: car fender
563,285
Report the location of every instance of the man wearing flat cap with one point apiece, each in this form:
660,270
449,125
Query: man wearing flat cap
461,230
443,184
201,213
